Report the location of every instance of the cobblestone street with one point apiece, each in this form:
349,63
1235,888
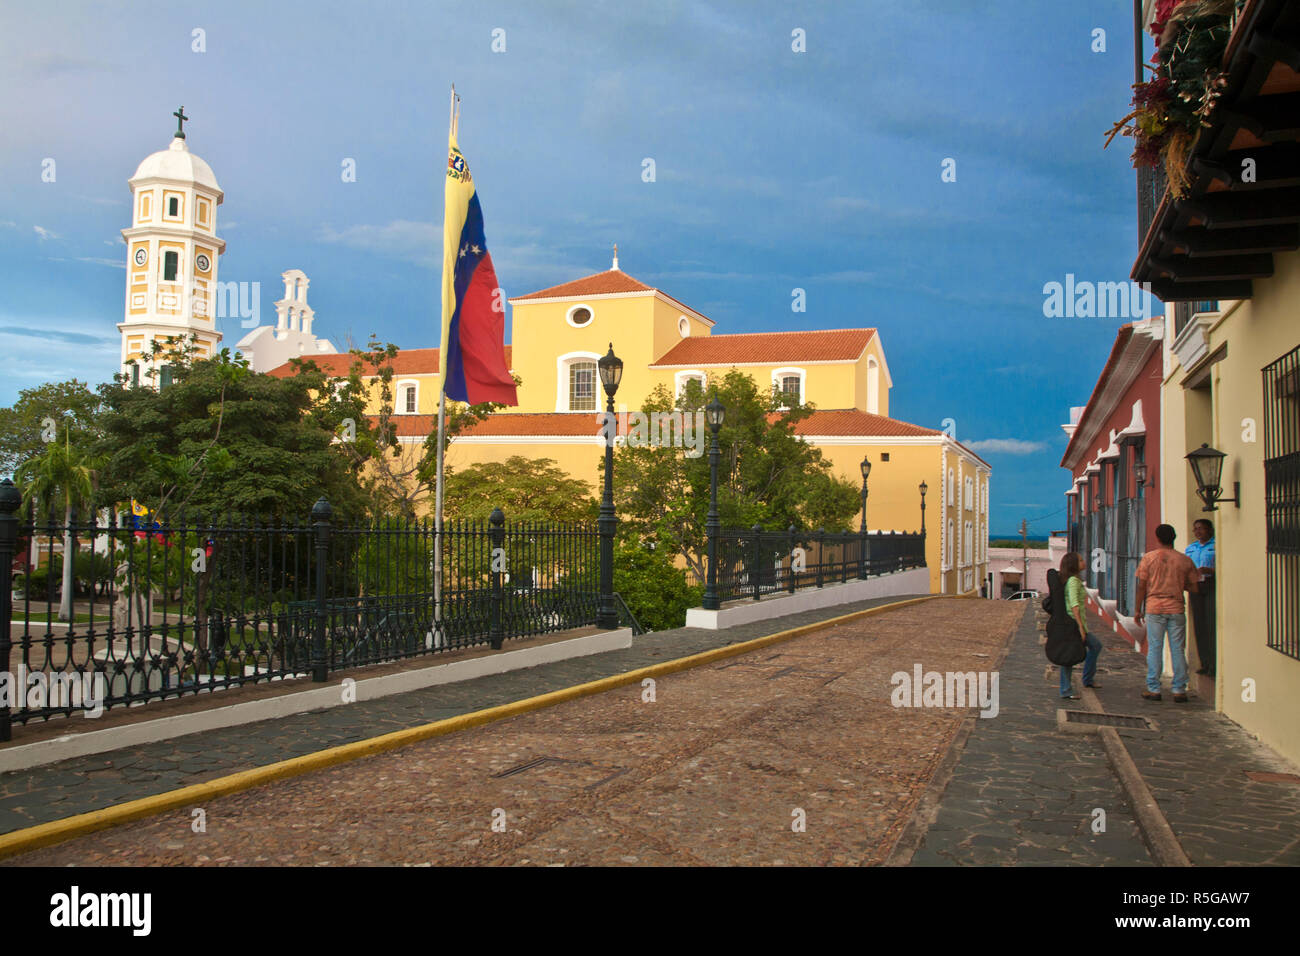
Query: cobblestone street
719,769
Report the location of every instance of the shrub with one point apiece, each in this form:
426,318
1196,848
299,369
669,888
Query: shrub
653,587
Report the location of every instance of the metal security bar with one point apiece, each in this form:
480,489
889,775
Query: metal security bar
1282,501
1151,186
753,563
190,605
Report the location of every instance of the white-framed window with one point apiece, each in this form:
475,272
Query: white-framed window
790,381
681,378
968,494
947,556
408,397
579,316
951,488
968,548
683,326
577,382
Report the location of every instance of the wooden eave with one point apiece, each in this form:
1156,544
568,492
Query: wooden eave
1223,234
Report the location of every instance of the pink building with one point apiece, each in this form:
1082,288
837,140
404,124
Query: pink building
1114,457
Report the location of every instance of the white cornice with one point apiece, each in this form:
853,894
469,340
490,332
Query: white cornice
743,365
647,293
1145,339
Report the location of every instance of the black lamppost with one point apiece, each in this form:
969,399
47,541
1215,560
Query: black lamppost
714,413
611,373
865,467
1207,467
924,489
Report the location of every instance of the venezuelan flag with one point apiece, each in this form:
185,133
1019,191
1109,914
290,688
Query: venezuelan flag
473,357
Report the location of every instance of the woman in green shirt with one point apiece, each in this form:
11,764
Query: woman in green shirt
1076,603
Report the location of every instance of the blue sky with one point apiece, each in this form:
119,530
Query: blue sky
775,170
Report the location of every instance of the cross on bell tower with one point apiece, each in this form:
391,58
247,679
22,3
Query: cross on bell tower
180,123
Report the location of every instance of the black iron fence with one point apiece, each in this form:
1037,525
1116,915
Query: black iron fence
754,562
188,605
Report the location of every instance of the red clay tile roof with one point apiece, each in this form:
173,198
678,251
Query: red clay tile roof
854,421
602,283
839,422
752,348
407,362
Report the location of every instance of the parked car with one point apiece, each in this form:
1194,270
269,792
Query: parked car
1025,595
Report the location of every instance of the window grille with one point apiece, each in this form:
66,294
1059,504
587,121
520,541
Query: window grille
582,387
1282,501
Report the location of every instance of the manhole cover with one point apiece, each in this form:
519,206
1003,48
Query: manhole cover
1260,776
1087,720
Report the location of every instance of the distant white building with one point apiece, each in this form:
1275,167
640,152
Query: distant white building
172,290
267,348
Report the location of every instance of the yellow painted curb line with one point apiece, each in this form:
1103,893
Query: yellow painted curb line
59,831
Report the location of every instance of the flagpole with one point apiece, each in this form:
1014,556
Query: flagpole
442,419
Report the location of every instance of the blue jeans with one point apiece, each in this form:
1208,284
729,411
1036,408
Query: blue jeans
1089,665
1176,626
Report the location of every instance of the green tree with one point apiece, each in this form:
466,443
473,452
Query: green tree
398,478
25,427
64,474
525,489
652,586
767,475
220,438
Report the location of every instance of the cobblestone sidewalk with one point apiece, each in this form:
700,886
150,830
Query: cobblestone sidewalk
55,791
1022,793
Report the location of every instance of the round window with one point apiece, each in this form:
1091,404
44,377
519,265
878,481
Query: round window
684,327
579,316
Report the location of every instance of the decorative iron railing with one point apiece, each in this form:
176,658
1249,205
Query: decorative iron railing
200,605
753,562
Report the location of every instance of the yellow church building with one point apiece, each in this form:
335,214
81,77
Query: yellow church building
559,333
557,336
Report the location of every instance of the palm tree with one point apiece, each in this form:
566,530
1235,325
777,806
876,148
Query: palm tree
62,472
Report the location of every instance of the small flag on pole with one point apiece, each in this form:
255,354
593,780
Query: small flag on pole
473,360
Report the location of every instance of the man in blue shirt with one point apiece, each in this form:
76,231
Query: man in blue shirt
1201,551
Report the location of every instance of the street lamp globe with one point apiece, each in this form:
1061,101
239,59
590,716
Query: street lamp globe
611,371
714,413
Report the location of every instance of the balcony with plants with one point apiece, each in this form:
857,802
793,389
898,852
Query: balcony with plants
1216,130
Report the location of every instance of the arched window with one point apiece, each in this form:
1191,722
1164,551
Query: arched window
873,385
681,378
790,381
577,385
408,397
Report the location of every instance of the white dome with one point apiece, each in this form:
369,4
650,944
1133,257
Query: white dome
177,163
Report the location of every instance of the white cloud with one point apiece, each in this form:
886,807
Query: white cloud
1006,446
44,233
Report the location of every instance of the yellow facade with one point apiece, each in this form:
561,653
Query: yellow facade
644,328
1227,412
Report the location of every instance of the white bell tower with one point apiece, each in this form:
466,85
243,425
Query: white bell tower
172,253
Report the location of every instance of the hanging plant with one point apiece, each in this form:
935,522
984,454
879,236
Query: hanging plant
1185,85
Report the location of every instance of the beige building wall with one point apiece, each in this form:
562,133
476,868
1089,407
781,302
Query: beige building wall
1256,333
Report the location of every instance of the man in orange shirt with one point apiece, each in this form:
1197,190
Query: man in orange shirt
1162,577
